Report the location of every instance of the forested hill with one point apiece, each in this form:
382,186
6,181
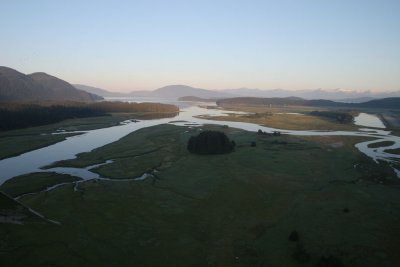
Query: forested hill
16,86
392,102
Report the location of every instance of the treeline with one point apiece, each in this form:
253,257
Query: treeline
35,115
23,115
391,102
341,117
265,102
133,107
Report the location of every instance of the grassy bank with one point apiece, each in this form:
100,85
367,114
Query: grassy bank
287,121
289,118
16,142
381,144
34,182
235,209
393,151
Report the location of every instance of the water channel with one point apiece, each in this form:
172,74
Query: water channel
33,161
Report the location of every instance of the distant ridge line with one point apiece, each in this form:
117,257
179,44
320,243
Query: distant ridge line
390,102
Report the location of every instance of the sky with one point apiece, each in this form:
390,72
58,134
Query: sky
143,45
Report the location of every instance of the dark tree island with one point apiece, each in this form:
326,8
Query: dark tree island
210,142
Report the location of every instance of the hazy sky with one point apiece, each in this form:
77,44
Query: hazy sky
136,45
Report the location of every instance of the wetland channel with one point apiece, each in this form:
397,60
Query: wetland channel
33,161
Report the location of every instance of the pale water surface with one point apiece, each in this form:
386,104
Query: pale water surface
368,120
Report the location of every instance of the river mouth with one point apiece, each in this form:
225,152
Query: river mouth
192,116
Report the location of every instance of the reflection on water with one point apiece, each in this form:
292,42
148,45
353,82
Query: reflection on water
368,120
89,140
84,173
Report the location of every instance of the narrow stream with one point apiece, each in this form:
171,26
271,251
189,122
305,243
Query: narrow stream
86,174
33,161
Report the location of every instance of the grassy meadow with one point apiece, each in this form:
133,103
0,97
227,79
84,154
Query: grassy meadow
236,209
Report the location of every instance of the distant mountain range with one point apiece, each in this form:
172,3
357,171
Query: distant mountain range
170,91
390,103
178,91
97,91
39,86
16,86
341,95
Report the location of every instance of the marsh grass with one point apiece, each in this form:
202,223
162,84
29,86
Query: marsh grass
16,142
34,182
381,144
281,119
393,151
218,210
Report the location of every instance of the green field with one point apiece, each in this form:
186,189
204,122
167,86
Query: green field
235,209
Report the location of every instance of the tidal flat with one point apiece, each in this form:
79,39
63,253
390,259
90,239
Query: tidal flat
289,118
236,209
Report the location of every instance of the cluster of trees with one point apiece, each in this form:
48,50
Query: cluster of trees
341,117
22,115
210,142
275,133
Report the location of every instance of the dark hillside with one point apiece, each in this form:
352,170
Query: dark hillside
392,102
62,90
16,86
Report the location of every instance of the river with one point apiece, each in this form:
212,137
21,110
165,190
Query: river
33,161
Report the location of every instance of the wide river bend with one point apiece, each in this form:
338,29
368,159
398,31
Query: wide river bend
33,161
